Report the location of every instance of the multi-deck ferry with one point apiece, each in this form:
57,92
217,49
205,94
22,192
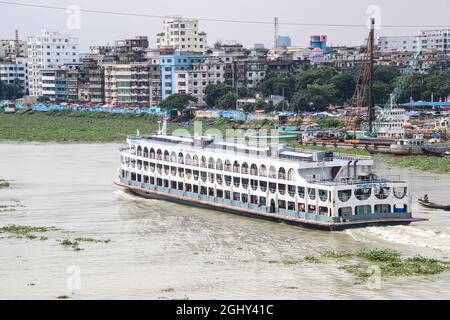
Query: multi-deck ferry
308,188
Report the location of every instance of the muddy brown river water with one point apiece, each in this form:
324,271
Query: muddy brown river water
160,250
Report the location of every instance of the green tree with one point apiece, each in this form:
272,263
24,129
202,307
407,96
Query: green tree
278,83
312,76
177,101
330,123
215,92
10,91
228,101
315,97
344,85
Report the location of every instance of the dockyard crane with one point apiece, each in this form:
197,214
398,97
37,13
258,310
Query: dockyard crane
395,94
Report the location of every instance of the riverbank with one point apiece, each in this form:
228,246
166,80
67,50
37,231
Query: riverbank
85,126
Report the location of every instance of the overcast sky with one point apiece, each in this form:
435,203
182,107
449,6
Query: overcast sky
100,29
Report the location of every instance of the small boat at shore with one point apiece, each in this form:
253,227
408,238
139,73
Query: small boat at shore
432,205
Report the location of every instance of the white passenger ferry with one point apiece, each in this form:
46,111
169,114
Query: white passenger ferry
313,189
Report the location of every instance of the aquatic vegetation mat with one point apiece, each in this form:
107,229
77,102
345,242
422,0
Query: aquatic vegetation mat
29,232
4,184
424,163
389,262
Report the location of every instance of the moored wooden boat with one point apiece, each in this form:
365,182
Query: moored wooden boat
433,205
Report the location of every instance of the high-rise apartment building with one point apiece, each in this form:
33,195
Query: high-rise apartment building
182,35
46,51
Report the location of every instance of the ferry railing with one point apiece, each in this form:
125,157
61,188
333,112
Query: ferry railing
351,181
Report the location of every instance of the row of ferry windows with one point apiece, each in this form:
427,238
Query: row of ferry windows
263,186
228,195
218,164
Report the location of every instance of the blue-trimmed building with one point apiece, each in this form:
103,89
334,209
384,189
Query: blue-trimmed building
172,63
319,42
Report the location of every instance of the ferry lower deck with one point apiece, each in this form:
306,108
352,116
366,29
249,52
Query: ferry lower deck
294,217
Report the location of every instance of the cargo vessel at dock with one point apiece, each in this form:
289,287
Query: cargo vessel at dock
312,189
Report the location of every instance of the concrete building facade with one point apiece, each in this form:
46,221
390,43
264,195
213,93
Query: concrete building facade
15,71
48,50
182,35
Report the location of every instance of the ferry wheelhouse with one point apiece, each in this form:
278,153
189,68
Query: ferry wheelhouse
313,189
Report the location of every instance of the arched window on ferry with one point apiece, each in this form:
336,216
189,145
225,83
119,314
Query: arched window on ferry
173,157
282,174
211,163
363,193
166,170
236,181
272,172
291,190
203,176
254,184
195,161
382,193
152,167
219,165
211,177
189,173
263,186
145,152
133,163
159,154
227,165
228,180
245,183
282,188
195,174
159,168
312,193
344,195
166,156
236,167
203,162
219,179
139,151
152,153
188,159
254,170
400,192
291,175
145,165
272,187
180,158
262,171
244,168
323,195
181,172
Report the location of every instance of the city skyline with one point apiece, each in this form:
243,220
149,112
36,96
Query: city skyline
102,28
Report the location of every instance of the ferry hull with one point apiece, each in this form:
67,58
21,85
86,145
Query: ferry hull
320,225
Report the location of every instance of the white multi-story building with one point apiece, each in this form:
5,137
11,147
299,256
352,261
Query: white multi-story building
49,50
435,39
182,35
397,43
213,70
16,70
426,39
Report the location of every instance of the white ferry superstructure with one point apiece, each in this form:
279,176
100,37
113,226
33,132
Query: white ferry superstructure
308,188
